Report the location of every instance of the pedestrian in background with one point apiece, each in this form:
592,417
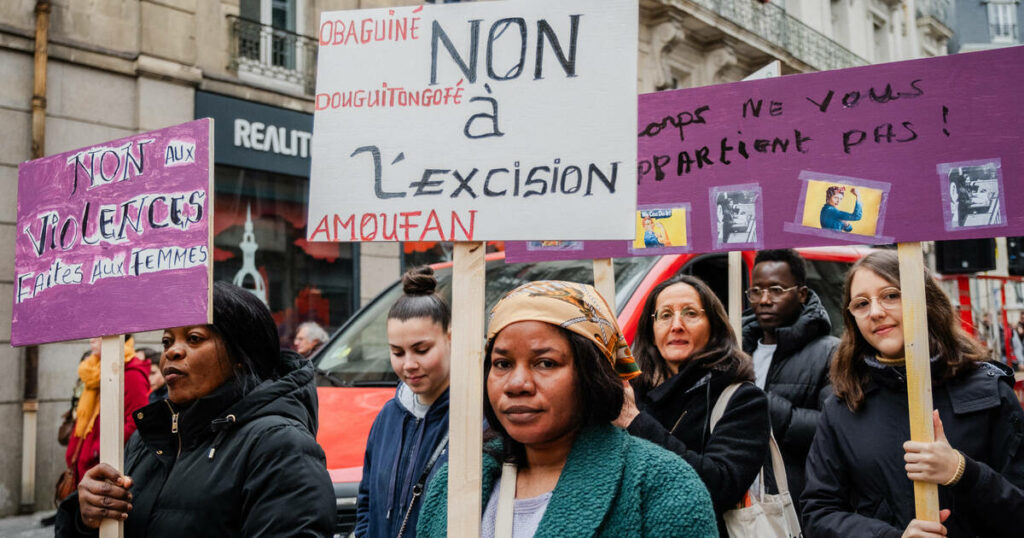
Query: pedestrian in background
83,450
689,355
554,465
861,464
789,338
308,338
157,385
67,425
409,437
1018,342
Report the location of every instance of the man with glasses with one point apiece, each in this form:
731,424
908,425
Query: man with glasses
789,337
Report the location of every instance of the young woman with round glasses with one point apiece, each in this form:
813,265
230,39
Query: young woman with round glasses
688,354
861,464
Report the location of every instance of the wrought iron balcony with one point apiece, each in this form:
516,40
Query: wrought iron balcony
273,53
773,24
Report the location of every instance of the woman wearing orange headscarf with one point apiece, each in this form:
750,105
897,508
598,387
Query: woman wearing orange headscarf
84,447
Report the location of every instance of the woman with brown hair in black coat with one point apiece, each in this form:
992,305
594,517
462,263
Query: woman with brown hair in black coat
689,355
861,465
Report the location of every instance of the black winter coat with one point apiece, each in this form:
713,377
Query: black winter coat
677,415
228,465
856,481
796,378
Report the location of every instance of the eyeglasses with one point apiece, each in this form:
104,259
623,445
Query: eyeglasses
889,299
690,316
774,292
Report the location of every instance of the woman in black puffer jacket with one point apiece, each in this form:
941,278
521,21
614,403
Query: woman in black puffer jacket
861,465
689,356
231,452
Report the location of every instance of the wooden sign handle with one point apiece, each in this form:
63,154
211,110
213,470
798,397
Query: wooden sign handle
466,415
604,280
736,293
919,372
112,417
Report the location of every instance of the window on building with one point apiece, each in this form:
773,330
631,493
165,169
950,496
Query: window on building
260,244
1002,21
268,41
272,43
882,27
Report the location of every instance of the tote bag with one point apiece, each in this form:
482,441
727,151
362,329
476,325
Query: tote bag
770,515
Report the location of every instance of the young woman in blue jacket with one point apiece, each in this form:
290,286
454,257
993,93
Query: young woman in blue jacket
409,437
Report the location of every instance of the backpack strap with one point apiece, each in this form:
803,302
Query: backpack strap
722,403
778,466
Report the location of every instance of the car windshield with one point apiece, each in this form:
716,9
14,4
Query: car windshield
358,355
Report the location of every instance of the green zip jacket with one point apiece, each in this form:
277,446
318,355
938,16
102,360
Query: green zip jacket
613,484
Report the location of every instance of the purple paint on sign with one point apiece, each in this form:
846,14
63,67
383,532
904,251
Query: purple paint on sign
114,238
941,135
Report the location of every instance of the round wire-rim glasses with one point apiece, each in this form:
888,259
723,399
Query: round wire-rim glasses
689,315
888,299
774,292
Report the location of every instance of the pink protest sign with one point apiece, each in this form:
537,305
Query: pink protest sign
115,238
910,151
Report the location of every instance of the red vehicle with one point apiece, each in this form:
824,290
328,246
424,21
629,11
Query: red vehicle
355,375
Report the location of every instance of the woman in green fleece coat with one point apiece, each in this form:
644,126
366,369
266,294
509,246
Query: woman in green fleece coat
554,369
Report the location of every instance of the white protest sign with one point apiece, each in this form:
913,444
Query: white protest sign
484,121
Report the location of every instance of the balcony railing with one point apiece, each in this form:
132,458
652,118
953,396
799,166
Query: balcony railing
273,53
773,24
1003,32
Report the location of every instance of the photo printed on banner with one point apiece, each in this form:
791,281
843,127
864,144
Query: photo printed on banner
972,194
554,245
736,215
661,229
840,207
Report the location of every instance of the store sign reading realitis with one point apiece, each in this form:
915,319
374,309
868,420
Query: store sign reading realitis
115,237
911,151
492,120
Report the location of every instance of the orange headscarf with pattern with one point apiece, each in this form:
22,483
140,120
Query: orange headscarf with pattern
573,307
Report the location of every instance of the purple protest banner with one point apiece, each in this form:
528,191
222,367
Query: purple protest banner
115,238
909,151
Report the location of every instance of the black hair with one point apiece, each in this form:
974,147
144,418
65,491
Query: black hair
722,352
420,299
797,266
599,394
248,332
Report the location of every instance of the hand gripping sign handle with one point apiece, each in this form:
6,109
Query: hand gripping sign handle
112,417
918,360
466,407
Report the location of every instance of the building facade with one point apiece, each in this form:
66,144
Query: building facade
985,24
118,67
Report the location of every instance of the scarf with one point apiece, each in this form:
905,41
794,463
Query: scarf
571,306
89,402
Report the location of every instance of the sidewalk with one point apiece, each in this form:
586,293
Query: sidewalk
26,526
